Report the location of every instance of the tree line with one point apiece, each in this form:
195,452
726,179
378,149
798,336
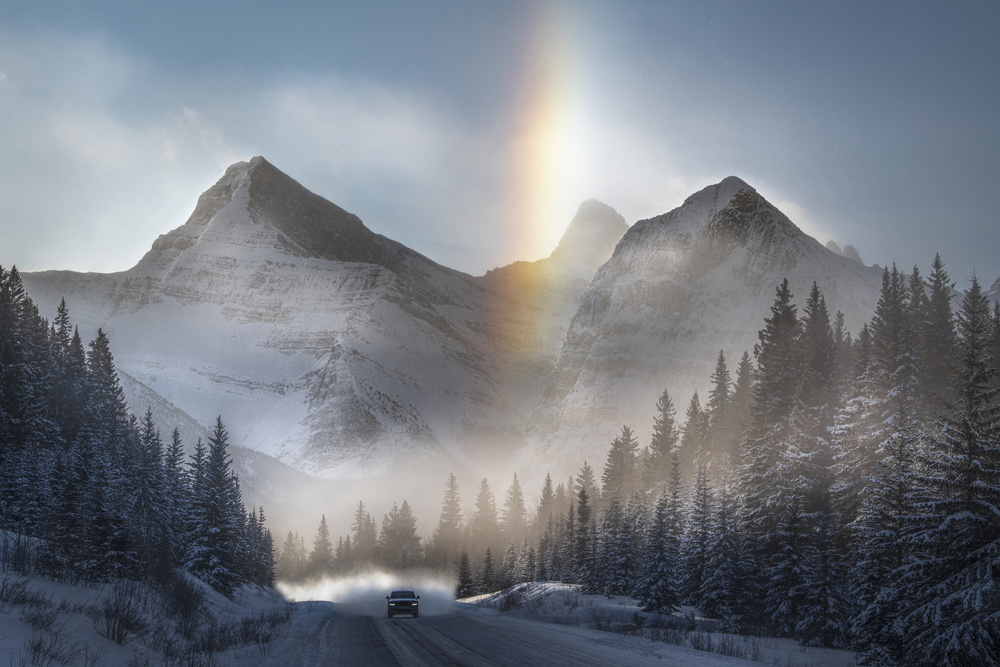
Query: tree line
843,491
90,492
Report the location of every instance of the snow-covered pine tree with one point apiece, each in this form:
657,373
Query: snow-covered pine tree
656,589
465,587
693,437
809,476
884,392
764,446
880,551
728,592
936,341
487,573
176,496
662,446
218,516
613,574
952,579
620,472
723,436
698,531
583,542
148,520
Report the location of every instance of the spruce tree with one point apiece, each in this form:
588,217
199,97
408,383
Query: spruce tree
514,521
484,527
446,540
723,435
663,444
463,571
880,552
955,619
321,556
656,590
694,443
619,479
399,544
936,343
218,516
697,536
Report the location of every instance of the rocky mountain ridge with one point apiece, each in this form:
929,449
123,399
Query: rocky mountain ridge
323,343
679,288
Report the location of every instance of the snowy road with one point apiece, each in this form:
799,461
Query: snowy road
322,633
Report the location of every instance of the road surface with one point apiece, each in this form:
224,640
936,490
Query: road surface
322,633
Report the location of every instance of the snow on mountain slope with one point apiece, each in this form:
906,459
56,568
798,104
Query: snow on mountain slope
679,288
320,342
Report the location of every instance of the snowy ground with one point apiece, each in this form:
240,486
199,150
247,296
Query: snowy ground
564,604
44,622
343,622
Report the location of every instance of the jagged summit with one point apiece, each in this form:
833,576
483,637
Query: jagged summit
594,230
257,210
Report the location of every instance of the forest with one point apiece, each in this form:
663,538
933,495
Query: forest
88,491
841,490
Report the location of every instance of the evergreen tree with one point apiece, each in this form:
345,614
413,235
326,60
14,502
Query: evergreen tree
775,391
399,544
176,498
488,575
722,436
952,581
619,479
694,437
514,523
463,571
656,590
546,508
446,540
880,551
321,556
582,547
292,560
484,527
661,449
937,338
696,539
217,516
364,532
149,524
585,480
727,591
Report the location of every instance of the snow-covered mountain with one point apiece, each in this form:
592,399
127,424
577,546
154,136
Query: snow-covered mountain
321,342
679,288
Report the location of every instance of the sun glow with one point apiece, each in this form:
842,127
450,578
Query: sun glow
548,151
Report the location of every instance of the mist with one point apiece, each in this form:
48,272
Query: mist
364,594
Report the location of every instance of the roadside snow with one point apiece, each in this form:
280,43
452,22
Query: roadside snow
48,622
621,620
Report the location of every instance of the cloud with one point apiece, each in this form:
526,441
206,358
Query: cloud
91,171
104,151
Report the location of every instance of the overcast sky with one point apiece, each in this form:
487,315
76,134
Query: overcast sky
471,130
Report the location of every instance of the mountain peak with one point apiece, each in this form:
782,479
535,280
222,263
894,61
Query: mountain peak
592,233
256,193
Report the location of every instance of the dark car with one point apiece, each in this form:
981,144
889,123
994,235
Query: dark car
403,601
